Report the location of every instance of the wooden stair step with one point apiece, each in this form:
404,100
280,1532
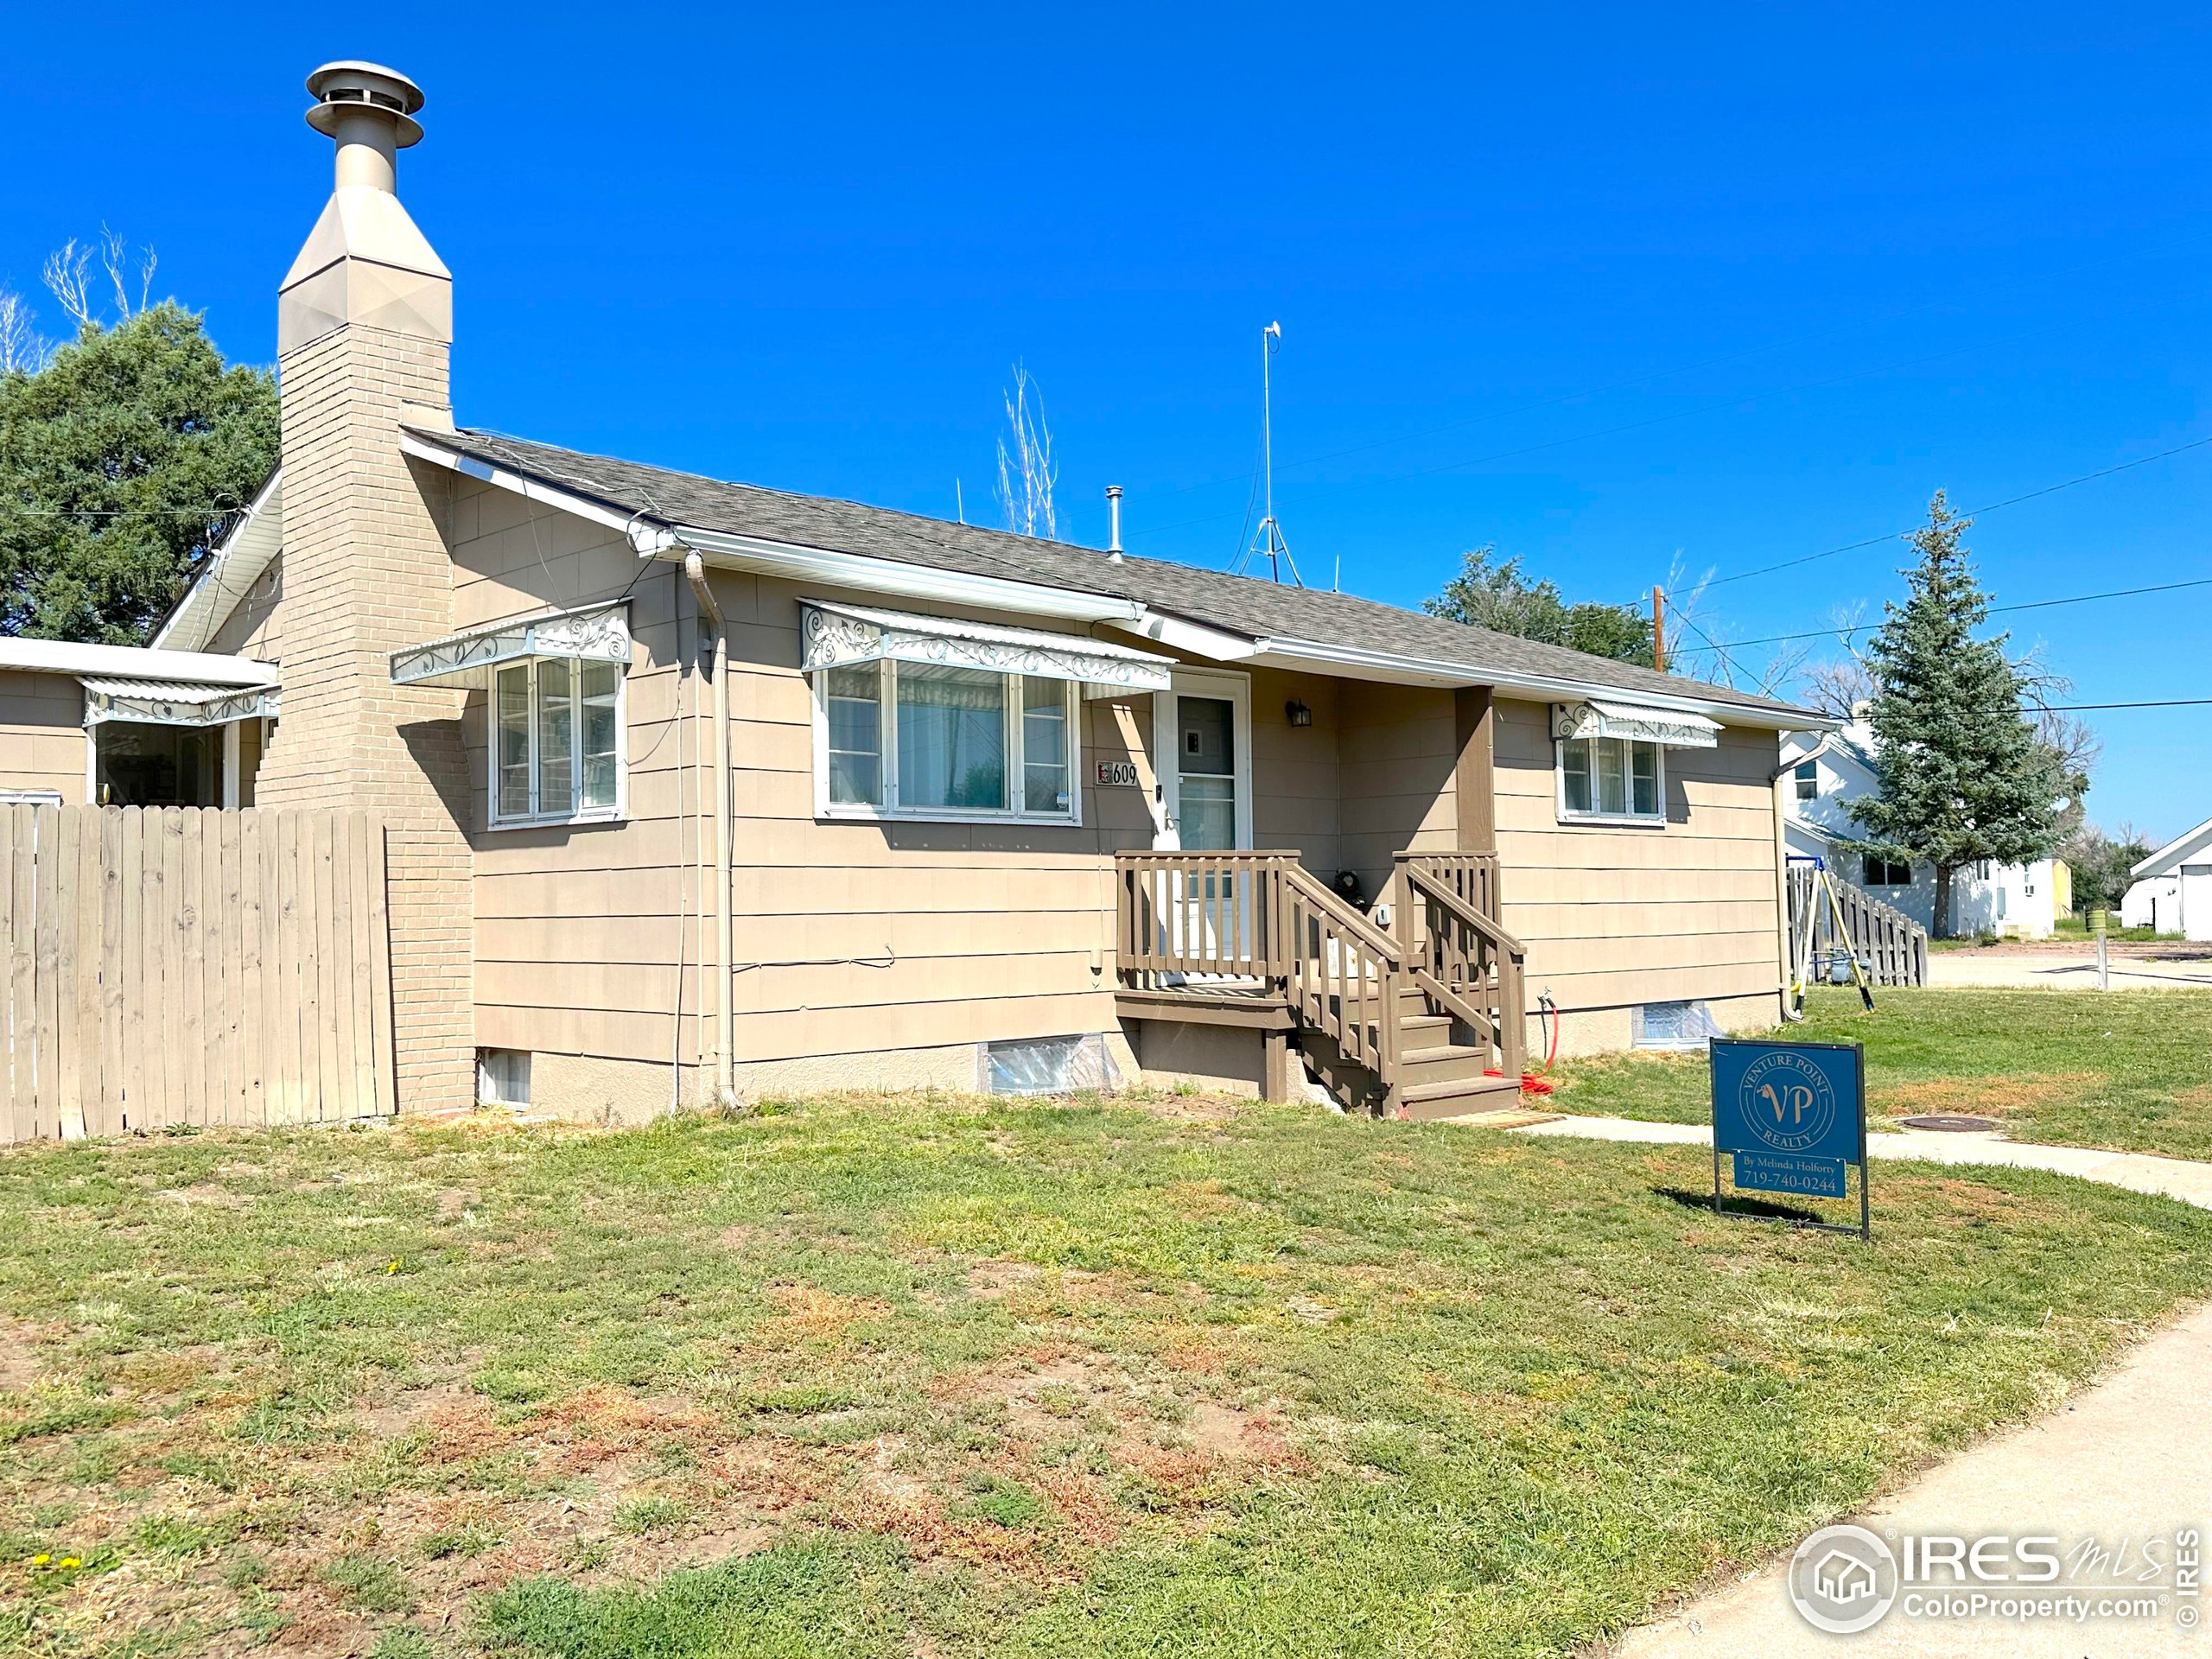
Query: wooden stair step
1425,1102
1451,1062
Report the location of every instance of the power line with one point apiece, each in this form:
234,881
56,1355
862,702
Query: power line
1994,610
1974,512
2156,703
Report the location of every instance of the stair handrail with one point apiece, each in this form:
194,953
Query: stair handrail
1505,1026
1332,991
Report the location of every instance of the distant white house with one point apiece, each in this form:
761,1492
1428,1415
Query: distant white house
2172,890
1824,773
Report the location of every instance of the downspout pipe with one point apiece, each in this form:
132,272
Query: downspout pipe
695,572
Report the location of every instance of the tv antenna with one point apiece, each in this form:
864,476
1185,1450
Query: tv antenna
1267,540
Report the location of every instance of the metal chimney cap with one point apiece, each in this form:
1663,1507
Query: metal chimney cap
352,84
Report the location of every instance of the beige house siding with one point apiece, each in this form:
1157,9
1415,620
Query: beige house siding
1399,751
1616,916
586,939
42,733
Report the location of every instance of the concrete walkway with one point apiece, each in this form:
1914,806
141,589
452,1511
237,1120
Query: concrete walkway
2129,1459
2171,1178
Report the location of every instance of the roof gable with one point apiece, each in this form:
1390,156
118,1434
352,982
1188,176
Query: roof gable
2182,849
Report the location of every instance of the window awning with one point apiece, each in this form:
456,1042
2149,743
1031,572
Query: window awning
174,702
1668,727
834,635
596,633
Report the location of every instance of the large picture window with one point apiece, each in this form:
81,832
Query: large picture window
926,740
556,742
1615,778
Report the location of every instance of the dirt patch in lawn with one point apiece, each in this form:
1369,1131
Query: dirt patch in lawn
1986,1096
19,1362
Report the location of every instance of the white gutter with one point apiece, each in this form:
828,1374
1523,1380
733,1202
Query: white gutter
882,576
1303,653
530,489
695,572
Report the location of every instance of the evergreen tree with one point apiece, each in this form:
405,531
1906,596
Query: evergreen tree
1497,597
1963,774
119,462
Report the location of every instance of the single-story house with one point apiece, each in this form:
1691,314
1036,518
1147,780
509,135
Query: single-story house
2170,891
1829,770
694,788
117,725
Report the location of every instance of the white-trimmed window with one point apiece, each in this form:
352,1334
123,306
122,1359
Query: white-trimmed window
1611,779
932,741
1807,774
556,742
1885,872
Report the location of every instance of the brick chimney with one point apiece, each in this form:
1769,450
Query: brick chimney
364,321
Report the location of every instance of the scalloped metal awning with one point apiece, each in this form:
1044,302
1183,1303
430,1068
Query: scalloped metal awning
173,703
837,635
597,633
1638,722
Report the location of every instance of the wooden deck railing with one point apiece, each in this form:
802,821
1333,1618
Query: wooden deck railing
1220,920
1226,921
1458,956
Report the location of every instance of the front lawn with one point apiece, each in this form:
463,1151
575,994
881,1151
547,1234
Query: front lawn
2130,1069
904,1375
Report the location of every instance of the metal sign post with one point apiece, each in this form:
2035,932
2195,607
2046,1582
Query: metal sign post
1792,1117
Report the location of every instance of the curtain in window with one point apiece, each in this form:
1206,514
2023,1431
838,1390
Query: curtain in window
951,737
556,728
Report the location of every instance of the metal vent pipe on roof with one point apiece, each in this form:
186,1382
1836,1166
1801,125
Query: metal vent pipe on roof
370,111
1114,522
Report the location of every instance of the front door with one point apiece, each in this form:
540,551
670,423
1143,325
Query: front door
1203,736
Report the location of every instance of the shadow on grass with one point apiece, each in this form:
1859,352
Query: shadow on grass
1736,1204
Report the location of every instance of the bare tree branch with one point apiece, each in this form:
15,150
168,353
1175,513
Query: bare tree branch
67,273
115,257
22,348
1027,474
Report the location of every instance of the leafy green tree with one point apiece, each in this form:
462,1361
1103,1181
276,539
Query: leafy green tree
1488,594
2102,864
1964,774
120,460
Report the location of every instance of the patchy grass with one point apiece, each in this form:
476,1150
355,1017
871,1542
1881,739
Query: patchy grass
887,1375
2130,1071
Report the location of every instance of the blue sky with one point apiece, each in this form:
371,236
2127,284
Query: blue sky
1609,289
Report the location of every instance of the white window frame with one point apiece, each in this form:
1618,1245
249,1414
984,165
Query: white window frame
1232,688
494,818
1654,819
889,811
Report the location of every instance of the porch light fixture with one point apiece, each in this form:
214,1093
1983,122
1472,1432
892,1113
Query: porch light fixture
1297,713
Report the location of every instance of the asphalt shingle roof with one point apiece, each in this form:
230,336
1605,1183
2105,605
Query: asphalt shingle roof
1244,605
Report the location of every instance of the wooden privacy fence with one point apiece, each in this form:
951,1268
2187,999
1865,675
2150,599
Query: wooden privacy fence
1889,944
180,965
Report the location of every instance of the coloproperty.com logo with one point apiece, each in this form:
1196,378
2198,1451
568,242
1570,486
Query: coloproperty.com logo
1844,1579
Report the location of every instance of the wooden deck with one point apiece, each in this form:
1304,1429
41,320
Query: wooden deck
1424,1021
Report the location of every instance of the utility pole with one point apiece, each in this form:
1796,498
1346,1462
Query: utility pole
1658,628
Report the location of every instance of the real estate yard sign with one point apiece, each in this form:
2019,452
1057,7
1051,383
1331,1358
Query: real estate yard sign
1791,1116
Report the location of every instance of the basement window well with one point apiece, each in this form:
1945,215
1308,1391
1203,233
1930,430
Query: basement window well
1044,1065
503,1077
1680,1026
